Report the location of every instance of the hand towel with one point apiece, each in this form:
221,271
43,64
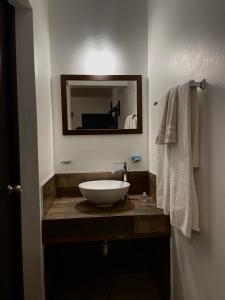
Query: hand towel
162,178
131,122
168,128
176,192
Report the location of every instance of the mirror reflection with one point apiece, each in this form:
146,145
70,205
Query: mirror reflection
101,105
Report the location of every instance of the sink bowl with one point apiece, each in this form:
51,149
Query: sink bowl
104,193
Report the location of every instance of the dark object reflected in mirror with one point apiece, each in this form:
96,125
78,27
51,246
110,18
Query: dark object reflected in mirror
95,104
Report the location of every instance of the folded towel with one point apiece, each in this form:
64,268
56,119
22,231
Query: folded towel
176,192
131,122
163,187
168,128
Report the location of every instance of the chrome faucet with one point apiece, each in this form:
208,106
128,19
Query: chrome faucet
124,171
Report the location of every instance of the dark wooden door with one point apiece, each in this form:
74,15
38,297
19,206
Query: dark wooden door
10,210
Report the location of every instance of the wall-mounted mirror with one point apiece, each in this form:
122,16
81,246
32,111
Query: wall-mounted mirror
94,104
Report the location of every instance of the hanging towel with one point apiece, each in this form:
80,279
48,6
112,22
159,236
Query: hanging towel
168,128
131,122
176,192
162,179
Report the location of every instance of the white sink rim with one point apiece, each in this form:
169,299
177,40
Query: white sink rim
101,185
104,193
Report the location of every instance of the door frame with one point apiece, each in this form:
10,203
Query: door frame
32,251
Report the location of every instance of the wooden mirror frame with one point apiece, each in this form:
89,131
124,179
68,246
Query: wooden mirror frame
137,78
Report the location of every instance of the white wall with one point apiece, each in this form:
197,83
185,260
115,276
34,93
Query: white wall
187,41
74,24
41,49
43,89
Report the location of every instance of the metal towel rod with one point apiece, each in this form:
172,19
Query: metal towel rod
193,83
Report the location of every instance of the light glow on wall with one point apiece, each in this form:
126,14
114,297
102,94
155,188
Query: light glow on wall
100,57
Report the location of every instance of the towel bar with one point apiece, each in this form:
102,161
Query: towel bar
200,84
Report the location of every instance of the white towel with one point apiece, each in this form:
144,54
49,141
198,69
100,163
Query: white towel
168,128
131,122
176,192
163,191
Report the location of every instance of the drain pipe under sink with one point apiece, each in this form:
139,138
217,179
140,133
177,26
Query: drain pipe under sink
105,248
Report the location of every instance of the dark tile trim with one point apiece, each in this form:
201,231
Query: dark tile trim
48,194
67,184
152,185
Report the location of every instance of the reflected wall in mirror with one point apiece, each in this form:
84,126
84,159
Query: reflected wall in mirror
94,104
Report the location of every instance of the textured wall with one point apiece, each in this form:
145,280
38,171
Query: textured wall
187,41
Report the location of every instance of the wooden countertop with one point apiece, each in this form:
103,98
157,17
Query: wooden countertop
75,219
78,207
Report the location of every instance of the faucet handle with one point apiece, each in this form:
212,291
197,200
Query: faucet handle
124,171
121,163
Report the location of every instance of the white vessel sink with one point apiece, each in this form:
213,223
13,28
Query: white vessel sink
104,193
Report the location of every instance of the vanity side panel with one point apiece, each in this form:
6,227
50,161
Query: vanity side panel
48,195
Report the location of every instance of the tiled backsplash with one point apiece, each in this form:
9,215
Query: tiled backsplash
67,184
48,195
152,185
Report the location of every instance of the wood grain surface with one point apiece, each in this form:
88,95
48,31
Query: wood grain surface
75,219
